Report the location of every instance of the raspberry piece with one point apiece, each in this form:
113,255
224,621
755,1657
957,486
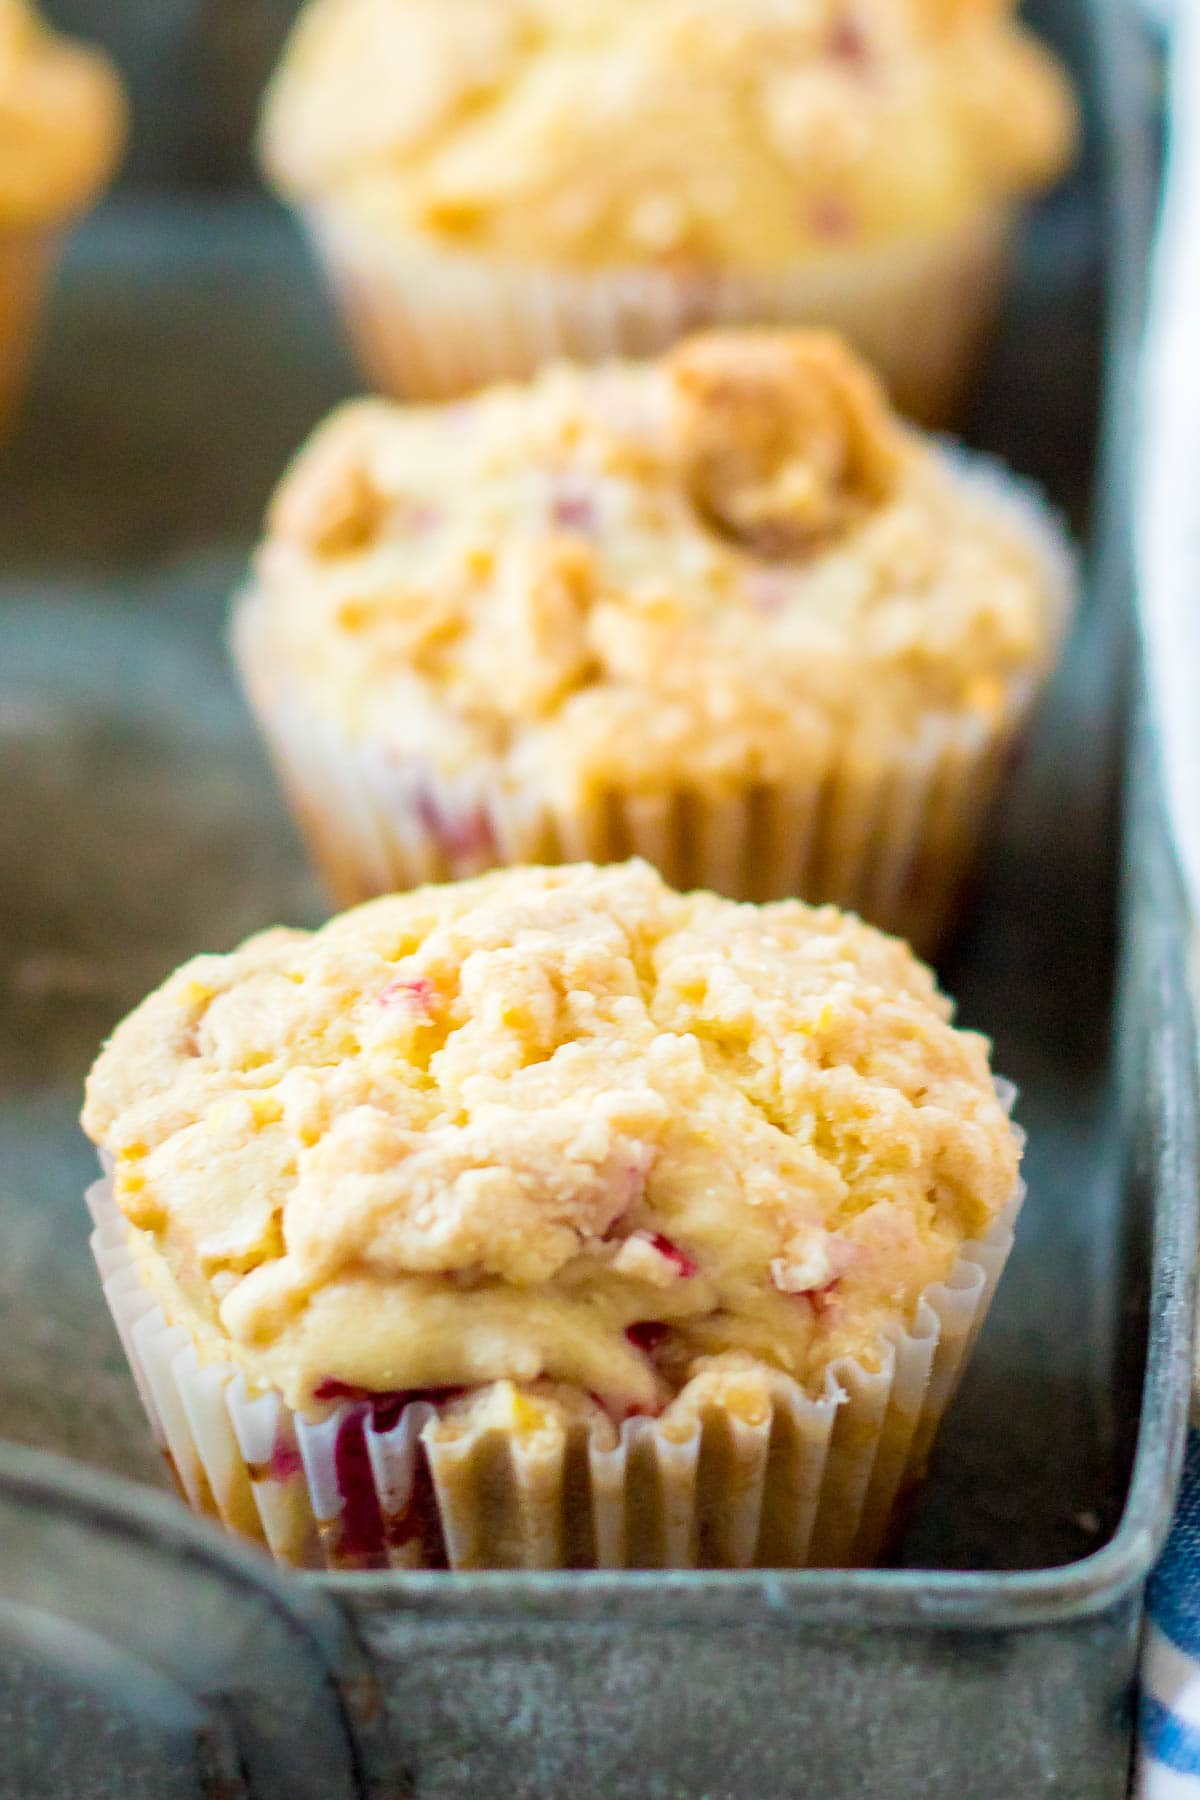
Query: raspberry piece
674,1255
831,219
364,1534
419,1522
386,1406
847,43
646,1335
821,1298
573,510
416,991
285,1461
463,836
361,1528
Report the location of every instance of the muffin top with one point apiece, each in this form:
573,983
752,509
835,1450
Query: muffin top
62,121
550,1125
709,568
686,132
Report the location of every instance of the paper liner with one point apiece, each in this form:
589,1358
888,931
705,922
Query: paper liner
887,827
805,1482
888,837
429,324
25,265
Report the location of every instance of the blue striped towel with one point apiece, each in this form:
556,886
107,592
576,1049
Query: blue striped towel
1169,1712
1168,576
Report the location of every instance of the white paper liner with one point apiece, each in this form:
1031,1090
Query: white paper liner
25,264
429,324
886,827
809,1482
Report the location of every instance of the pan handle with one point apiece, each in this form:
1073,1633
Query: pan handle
142,1651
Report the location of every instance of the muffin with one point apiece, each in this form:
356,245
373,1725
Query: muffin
62,122
723,611
496,183
552,1218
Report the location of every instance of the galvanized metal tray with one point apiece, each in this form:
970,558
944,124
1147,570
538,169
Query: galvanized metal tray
145,1655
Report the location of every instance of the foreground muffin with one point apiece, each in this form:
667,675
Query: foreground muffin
62,123
552,1218
723,610
495,183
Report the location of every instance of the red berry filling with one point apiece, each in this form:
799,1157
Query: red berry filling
420,1522
285,1460
364,1533
647,1334
819,1298
573,510
385,1407
417,992
822,1298
361,1528
632,1409
679,1259
461,834
847,43
831,218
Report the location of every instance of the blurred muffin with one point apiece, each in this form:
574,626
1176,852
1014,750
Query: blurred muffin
552,1218
723,611
496,183
62,124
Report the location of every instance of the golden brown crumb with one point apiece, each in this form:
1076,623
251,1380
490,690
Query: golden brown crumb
550,1124
684,570
783,438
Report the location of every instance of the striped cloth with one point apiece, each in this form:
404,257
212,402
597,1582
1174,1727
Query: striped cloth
1168,554
1169,1709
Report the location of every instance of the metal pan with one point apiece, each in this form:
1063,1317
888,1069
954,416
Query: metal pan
143,1654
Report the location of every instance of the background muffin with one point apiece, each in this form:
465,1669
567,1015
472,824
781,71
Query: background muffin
496,182
62,123
723,611
644,1226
